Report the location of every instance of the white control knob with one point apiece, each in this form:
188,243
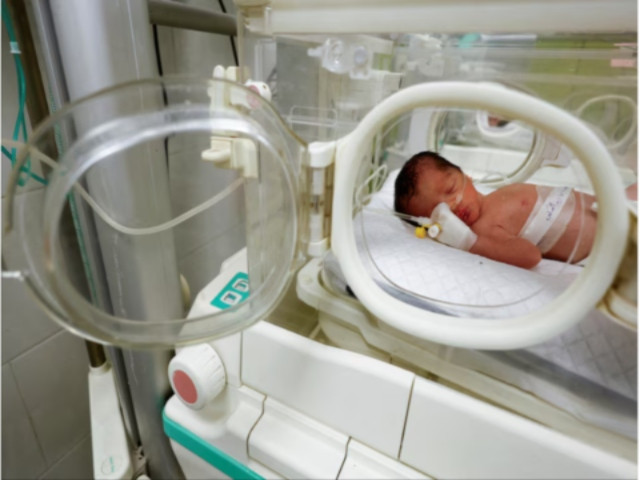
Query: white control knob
197,375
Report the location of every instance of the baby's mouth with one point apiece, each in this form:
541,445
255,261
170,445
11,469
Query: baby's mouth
463,214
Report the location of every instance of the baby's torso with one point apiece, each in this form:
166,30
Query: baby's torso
508,207
549,217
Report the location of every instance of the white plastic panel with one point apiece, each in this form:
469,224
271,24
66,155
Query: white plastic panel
263,471
576,407
362,397
316,16
451,435
228,348
295,445
364,462
224,423
194,467
110,449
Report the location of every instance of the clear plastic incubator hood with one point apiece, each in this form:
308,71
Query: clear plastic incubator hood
247,163
294,156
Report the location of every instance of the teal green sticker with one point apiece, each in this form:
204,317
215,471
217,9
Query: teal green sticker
233,293
210,454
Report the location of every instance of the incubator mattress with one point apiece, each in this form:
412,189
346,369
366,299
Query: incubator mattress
595,359
456,281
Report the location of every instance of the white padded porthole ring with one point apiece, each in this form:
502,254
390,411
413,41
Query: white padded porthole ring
499,333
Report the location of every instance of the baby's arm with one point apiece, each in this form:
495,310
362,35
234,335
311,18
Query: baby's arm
496,243
489,240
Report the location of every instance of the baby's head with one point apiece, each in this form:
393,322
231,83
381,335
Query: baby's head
428,179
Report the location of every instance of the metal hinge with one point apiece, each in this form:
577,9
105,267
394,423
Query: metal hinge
317,196
621,301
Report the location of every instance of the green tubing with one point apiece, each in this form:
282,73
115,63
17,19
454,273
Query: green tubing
21,123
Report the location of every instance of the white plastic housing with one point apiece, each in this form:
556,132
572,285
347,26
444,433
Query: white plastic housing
109,445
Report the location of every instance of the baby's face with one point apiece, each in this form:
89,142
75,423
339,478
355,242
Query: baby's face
450,186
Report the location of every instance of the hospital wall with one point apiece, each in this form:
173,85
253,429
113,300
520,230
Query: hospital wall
205,241
45,404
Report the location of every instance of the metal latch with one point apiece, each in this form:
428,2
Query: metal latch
620,303
233,152
318,194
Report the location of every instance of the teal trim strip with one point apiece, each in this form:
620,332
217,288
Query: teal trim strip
234,292
210,454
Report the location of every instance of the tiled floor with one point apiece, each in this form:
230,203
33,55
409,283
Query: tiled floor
45,409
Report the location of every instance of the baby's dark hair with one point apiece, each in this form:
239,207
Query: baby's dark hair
407,179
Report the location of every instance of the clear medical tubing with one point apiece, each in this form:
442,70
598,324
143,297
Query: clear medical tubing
497,333
188,110
631,130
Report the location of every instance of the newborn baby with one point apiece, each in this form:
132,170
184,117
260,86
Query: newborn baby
516,224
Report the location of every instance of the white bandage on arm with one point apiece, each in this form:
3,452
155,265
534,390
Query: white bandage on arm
454,232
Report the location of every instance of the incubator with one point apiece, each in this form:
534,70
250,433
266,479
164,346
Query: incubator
328,337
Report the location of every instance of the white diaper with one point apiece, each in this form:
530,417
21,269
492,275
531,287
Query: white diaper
550,216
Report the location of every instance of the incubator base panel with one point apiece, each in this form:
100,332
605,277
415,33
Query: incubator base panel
294,407
529,382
